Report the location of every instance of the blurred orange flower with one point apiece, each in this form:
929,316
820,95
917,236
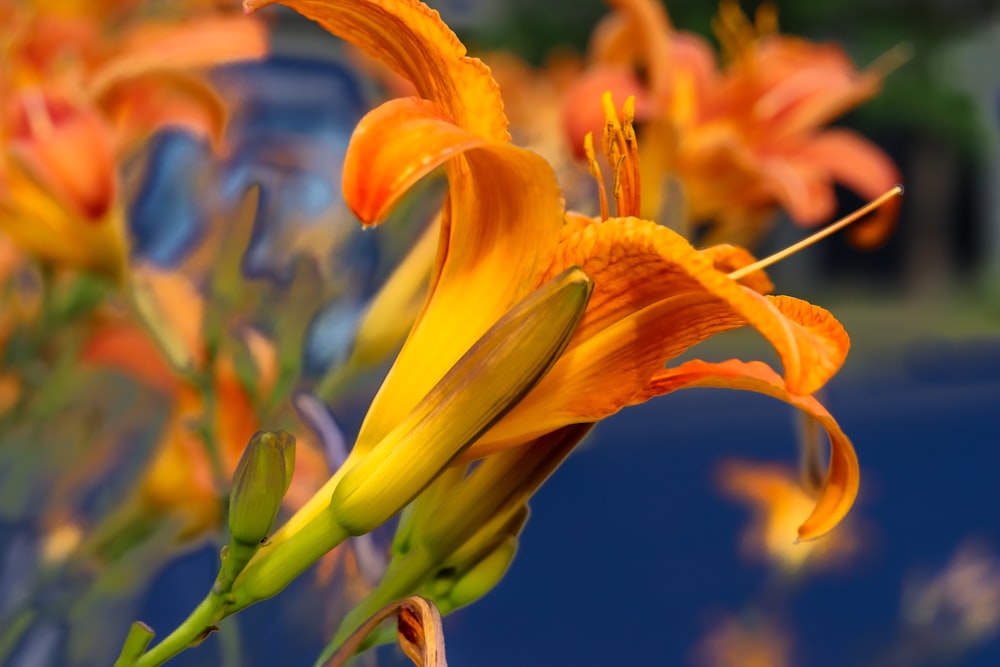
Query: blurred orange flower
744,642
780,501
736,142
82,85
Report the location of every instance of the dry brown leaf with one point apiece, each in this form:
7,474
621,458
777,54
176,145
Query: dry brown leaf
418,630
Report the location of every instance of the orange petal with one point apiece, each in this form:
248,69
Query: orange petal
377,171
502,220
637,33
825,333
804,190
128,349
68,149
854,161
413,41
806,85
235,416
178,479
843,476
204,42
636,264
654,298
728,258
146,103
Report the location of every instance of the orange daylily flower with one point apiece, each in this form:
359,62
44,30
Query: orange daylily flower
179,479
505,232
743,139
81,87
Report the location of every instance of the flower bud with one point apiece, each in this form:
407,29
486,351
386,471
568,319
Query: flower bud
479,579
489,380
259,483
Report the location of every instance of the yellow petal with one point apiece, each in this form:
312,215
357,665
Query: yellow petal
392,311
843,476
502,219
42,225
412,39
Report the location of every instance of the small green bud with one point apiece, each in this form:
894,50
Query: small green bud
480,579
261,479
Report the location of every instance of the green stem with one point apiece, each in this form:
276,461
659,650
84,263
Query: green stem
207,431
138,639
336,381
275,567
193,630
13,632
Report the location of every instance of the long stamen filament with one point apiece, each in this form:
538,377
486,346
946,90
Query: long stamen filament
621,150
743,272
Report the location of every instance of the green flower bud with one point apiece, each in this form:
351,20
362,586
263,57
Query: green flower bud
480,579
259,483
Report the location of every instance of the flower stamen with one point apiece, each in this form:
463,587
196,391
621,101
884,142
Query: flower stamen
595,171
621,149
741,273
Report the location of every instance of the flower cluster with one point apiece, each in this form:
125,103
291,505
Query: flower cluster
724,146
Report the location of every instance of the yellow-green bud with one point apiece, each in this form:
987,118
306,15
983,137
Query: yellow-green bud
259,483
489,380
480,579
